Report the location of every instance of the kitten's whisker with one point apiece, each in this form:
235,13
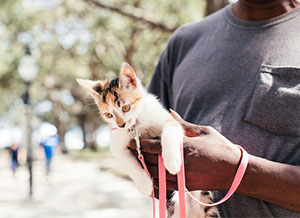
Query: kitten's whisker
89,105
98,119
83,98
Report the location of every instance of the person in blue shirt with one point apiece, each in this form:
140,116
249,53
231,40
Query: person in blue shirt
49,145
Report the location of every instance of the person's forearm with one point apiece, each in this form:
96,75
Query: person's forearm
272,182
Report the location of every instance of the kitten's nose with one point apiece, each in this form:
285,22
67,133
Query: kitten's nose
122,125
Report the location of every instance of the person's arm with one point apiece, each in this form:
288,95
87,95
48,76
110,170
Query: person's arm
211,162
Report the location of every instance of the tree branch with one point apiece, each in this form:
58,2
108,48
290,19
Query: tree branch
135,14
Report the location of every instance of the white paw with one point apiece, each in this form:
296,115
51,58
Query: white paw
144,185
172,162
170,140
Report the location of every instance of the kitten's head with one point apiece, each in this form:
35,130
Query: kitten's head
119,100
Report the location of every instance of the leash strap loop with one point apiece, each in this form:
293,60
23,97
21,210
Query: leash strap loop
235,184
182,189
181,181
162,187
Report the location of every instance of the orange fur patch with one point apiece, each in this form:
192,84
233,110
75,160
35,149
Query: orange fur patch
113,96
135,100
119,120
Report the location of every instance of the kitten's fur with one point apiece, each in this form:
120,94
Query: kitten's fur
121,103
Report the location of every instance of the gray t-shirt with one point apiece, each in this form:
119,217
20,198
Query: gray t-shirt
243,79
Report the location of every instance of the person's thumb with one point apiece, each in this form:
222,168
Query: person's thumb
191,130
177,117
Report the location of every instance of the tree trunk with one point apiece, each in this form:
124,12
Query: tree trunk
94,146
60,125
61,131
81,121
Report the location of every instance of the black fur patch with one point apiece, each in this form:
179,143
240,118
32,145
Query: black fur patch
206,209
170,207
110,89
204,193
114,83
116,100
98,89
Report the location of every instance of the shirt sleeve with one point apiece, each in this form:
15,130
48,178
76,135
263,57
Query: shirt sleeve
159,85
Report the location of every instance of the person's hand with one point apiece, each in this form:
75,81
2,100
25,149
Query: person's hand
210,159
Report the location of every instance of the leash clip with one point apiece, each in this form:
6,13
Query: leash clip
132,132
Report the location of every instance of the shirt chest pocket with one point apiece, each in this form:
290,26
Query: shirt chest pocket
275,103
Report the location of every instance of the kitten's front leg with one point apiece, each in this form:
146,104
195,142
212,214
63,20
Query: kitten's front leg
119,142
171,138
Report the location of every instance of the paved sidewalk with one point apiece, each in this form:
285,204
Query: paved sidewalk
76,189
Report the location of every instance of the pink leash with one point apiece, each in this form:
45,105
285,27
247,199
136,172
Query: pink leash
181,184
162,185
235,184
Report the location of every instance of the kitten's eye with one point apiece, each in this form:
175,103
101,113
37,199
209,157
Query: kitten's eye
108,115
126,108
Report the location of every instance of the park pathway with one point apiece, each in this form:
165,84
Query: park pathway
76,189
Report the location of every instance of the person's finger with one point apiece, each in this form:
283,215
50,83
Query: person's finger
151,146
171,186
177,117
153,169
132,144
156,192
150,159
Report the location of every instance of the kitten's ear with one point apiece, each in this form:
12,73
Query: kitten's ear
92,87
127,77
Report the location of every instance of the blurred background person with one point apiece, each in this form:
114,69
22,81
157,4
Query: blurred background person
49,145
14,156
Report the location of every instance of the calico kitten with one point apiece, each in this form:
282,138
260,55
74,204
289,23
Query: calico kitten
123,102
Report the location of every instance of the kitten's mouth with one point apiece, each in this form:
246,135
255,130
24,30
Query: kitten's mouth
121,126
124,125
127,124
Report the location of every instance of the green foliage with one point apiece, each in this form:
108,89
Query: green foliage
76,39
